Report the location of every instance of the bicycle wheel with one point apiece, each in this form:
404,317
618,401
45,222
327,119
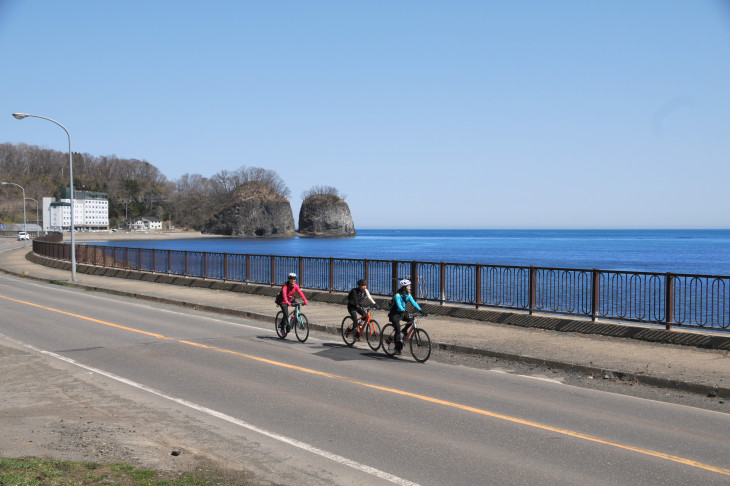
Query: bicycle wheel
373,335
346,330
388,337
420,345
301,329
280,331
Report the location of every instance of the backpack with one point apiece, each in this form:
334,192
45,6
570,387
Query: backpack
279,298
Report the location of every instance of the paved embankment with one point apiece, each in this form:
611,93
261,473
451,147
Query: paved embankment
626,351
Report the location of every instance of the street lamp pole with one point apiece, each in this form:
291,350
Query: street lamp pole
20,116
21,188
36,210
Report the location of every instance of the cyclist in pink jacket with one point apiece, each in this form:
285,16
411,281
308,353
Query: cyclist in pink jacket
288,297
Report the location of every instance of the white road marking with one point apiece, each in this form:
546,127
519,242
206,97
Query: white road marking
282,438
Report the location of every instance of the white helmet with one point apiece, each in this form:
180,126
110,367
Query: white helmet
403,283
292,275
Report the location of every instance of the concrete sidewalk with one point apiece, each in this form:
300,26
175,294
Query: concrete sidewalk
669,365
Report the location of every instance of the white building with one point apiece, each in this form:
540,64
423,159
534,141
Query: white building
91,212
144,223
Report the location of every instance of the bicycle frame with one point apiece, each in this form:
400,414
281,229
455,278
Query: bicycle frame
411,326
363,323
411,329
294,315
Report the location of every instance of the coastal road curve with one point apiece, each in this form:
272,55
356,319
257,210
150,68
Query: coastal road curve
321,413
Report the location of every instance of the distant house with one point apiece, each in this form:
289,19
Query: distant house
144,223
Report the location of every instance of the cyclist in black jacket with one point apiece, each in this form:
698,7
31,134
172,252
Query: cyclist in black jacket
354,303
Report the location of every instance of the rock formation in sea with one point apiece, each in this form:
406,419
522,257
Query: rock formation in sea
325,216
255,210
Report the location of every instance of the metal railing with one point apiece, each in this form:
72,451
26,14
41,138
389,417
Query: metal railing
665,298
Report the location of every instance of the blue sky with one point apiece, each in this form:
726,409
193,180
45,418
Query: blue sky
458,114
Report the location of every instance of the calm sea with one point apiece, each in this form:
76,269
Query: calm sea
680,251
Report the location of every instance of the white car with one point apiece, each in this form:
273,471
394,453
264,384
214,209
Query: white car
23,236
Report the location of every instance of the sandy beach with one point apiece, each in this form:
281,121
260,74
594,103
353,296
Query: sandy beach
138,235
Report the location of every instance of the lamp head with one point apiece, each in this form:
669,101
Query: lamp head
20,116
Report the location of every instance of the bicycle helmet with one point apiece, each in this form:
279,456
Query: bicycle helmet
292,275
404,282
362,282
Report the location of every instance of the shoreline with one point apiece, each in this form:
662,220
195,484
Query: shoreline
139,235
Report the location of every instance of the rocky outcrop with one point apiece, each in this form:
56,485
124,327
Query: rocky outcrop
325,216
256,210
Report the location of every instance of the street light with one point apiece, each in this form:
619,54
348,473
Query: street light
20,116
36,210
21,188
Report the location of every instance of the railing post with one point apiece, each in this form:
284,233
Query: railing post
595,293
225,267
154,260
478,285
186,263
394,275
366,270
273,268
205,264
533,289
414,279
169,262
301,270
139,258
669,301
126,257
332,274
442,282
248,268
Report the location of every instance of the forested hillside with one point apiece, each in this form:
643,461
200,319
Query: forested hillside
135,187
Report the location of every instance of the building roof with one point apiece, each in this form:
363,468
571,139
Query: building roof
150,219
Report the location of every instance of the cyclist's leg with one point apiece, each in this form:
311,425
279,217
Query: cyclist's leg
398,337
353,315
285,310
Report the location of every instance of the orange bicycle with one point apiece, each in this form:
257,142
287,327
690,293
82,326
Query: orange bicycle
366,326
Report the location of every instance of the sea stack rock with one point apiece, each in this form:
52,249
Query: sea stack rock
325,216
255,210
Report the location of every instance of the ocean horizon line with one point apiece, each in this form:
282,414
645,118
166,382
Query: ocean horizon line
547,229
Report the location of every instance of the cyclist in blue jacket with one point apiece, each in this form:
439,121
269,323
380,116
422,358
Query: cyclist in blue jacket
398,311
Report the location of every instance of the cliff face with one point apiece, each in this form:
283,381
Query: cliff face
255,211
325,216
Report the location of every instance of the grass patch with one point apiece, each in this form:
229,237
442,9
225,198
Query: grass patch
38,472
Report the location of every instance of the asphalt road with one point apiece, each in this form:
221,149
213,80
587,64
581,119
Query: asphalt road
322,413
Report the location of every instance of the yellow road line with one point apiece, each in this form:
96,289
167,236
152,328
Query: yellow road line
159,336
508,418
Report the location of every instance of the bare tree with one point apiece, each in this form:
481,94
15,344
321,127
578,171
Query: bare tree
327,191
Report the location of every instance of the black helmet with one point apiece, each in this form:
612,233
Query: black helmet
362,282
